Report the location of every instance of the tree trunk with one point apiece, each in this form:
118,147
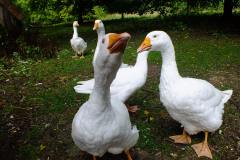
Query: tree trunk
122,15
188,7
228,6
80,17
13,28
79,10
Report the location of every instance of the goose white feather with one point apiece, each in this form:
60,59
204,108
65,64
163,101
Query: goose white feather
102,124
77,43
194,103
128,80
99,27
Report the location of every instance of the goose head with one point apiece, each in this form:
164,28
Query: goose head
98,24
110,54
75,24
155,41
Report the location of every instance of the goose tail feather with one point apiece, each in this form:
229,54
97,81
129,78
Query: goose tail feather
227,95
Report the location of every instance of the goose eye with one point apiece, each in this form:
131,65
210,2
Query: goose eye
155,36
103,40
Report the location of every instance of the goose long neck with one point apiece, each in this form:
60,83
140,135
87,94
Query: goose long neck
141,62
75,33
101,90
169,69
100,33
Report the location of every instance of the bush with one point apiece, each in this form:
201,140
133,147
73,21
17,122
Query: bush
35,46
99,12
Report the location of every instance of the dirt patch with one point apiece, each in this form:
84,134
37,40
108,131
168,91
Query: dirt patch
154,71
230,78
15,116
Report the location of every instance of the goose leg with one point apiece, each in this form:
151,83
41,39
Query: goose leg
78,55
82,56
184,138
202,148
128,155
75,56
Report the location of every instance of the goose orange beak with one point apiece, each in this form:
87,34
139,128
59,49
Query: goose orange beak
118,42
96,26
145,46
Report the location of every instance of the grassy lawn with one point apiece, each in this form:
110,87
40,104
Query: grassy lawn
37,100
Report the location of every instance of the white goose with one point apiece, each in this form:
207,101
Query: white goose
77,43
99,27
102,124
195,103
128,80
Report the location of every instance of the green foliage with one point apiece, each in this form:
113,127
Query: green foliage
146,140
236,3
99,12
15,67
46,12
65,13
47,16
54,11
89,16
29,152
164,7
203,4
21,68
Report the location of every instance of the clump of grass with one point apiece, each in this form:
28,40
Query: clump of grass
28,152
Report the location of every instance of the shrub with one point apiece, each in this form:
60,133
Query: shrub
99,12
30,46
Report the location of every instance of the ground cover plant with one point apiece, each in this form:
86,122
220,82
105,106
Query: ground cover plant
38,102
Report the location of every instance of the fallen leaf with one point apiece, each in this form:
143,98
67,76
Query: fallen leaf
151,119
42,147
174,155
146,112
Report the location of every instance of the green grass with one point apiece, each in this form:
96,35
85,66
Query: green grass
46,86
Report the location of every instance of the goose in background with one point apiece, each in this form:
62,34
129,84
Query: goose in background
77,43
99,27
